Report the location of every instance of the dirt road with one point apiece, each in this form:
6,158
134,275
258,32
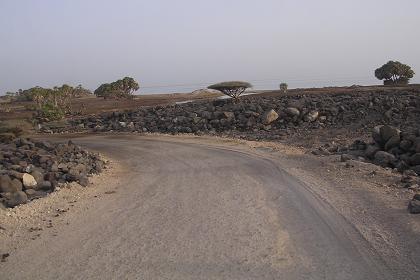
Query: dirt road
183,211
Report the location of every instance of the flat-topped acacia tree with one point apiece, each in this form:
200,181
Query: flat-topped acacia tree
232,88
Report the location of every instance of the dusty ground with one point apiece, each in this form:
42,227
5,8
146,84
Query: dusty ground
363,195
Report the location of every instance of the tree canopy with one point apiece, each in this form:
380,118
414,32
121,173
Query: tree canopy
394,72
120,88
232,88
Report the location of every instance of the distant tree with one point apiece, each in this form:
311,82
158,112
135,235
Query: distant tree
233,88
118,89
394,73
283,87
80,91
40,95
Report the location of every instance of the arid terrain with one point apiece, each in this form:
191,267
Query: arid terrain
272,186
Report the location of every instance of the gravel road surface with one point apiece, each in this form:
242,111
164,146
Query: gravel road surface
191,211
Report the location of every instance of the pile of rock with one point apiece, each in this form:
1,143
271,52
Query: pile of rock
390,148
31,169
260,117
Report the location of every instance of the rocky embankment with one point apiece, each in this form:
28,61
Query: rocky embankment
389,148
257,117
30,169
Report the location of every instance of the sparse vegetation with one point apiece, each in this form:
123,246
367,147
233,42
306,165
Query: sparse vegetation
394,73
233,88
50,103
123,88
283,87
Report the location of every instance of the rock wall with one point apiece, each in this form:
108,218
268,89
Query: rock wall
261,117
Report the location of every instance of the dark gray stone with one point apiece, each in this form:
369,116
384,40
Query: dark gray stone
415,159
414,206
384,159
6,184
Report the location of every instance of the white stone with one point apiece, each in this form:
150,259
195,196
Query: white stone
29,181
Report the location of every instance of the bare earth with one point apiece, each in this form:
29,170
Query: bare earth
210,208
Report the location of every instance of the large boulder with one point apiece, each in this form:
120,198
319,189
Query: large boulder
414,205
8,185
45,185
38,176
416,169
384,159
371,150
292,111
34,194
17,184
383,133
29,181
415,159
269,117
392,142
15,198
406,145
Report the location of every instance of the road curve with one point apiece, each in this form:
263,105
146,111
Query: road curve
189,211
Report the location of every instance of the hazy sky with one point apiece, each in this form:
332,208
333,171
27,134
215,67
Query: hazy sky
191,43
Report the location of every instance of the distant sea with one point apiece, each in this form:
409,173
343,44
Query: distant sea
257,85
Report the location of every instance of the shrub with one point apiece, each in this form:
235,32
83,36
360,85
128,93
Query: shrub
50,112
233,88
